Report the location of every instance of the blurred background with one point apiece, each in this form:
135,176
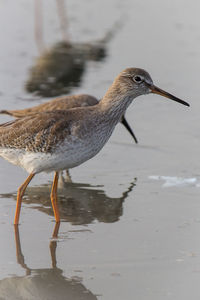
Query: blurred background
131,215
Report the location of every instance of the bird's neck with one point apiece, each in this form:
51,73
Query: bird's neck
115,102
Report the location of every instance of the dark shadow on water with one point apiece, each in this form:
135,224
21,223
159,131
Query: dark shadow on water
47,283
79,203
60,67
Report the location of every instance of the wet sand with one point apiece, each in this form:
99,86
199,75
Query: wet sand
126,231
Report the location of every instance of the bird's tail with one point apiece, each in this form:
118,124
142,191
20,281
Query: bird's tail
13,113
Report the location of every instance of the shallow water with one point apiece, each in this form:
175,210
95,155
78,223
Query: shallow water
124,234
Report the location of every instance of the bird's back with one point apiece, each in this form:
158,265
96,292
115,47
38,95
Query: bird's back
61,103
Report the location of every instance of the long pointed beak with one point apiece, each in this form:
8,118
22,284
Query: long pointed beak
155,90
125,123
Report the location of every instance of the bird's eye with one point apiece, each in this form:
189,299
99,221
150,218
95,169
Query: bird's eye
138,79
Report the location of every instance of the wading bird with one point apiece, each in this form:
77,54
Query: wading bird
64,139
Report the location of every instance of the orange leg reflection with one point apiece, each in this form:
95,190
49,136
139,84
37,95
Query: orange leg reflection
53,245
20,256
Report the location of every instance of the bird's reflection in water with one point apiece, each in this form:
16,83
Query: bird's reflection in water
48,283
79,203
60,67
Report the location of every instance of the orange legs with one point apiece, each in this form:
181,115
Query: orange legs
54,197
20,194
54,201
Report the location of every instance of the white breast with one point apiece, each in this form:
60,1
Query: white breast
67,155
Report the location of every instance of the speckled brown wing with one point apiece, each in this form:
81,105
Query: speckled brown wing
41,132
61,103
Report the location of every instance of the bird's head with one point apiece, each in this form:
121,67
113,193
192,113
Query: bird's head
136,82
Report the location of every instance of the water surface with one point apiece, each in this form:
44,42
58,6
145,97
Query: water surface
124,235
